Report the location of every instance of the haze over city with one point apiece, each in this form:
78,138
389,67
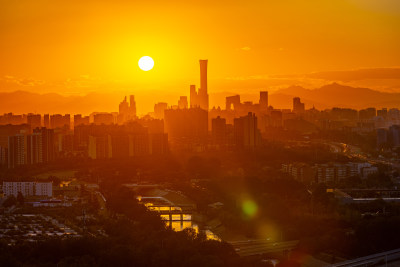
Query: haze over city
200,133
74,48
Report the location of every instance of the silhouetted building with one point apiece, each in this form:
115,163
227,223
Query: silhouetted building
9,130
219,134
152,125
17,150
80,120
183,103
127,111
344,114
189,124
124,107
263,100
123,111
159,110
298,107
132,106
119,145
34,149
13,119
200,98
382,112
34,120
103,118
60,121
40,146
366,114
276,119
65,143
46,121
232,102
122,141
394,135
247,135
99,147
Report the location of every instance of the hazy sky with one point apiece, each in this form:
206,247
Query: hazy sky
74,47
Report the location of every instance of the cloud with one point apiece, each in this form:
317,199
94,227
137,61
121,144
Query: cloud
358,74
246,48
8,79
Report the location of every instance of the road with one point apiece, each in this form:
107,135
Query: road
379,259
257,247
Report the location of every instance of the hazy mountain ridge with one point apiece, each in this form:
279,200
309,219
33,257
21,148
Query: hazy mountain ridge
336,95
328,96
25,102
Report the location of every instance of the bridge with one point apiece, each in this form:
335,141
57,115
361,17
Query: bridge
262,246
379,259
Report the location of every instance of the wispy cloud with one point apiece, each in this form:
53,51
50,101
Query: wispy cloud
21,81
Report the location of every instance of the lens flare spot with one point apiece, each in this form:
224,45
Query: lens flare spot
249,208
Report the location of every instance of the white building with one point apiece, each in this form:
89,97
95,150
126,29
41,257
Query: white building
44,189
28,188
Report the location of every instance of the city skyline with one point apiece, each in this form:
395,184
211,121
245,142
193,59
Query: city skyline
280,45
200,133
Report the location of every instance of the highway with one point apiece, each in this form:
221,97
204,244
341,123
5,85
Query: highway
379,259
258,247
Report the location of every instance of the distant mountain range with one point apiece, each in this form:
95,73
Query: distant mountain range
336,95
328,96
25,102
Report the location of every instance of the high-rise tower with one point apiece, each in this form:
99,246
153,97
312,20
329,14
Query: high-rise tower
203,94
263,100
200,98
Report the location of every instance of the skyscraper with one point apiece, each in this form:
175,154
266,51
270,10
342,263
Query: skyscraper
200,98
263,100
46,121
60,121
47,143
17,150
34,120
246,133
298,107
132,106
219,131
194,98
159,110
80,120
124,107
34,149
182,102
127,111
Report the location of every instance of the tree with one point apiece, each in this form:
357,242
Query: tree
20,198
10,201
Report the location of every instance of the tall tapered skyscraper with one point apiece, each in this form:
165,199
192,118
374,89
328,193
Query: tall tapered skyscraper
203,94
200,98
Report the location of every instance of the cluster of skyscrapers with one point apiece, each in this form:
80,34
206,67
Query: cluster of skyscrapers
33,138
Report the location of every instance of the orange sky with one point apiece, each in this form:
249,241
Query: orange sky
75,47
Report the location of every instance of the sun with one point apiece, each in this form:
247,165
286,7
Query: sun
146,63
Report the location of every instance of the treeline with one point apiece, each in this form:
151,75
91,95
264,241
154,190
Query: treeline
136,237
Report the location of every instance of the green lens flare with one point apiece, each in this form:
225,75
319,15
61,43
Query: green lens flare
249,208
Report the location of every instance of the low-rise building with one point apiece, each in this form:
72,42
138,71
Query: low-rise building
28,188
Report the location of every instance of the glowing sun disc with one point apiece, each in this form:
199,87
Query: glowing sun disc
146,63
